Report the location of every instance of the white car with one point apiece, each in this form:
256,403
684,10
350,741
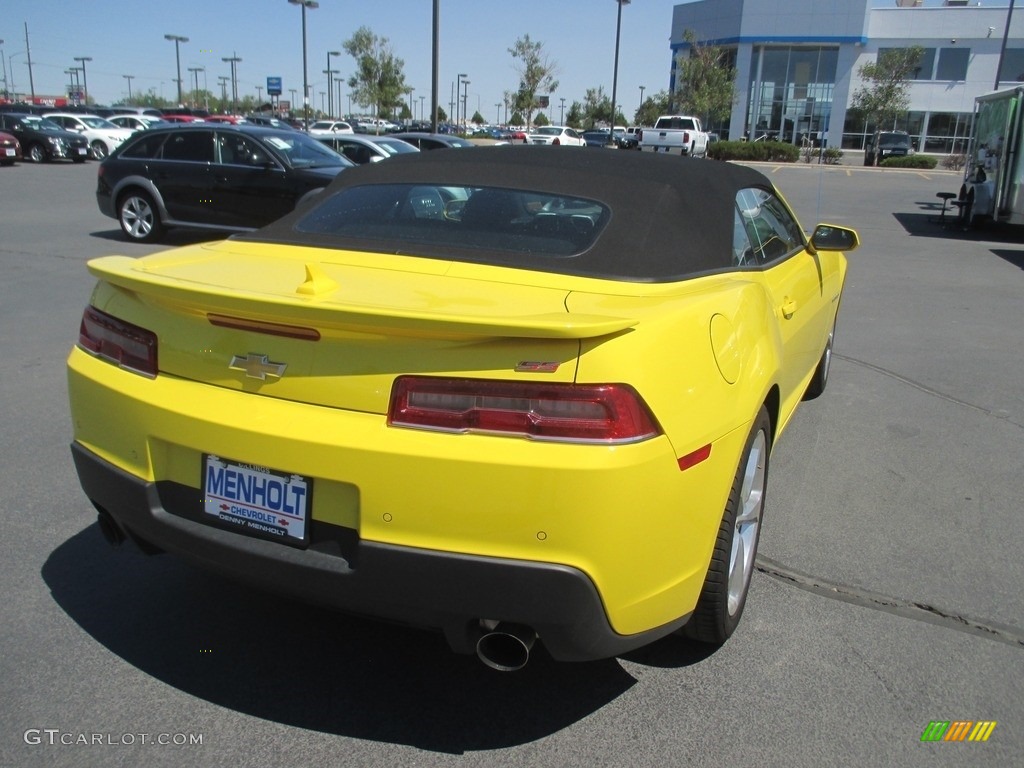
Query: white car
329,128
103,136
136,122
557,135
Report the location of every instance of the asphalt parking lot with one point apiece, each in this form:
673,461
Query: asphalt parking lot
888,593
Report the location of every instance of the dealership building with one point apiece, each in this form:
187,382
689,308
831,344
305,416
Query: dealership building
797,60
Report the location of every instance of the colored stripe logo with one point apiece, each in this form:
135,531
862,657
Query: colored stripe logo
958,730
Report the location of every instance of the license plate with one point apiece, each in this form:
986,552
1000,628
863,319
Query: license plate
82,150
257,501
9,152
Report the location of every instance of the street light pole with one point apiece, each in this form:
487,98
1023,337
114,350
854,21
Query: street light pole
85,80
615,74
195,76
330,85
642,89
561,115
233,60
305,74
457,89
178,39
129,79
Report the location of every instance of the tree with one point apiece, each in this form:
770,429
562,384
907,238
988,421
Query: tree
884,94
574,117
477,119
536,75
541,119
379,77
653,107
706,81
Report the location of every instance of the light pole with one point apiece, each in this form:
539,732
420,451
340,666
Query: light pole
330,85
465,105
411,113
195,77
422,99
233,60
561,115
223,80
457,89
305,75
498,119
3,61
615,74
85,80
339,81
178,40
73,81
129,78
642,89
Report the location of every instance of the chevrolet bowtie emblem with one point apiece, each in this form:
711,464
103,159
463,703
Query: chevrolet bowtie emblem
257,366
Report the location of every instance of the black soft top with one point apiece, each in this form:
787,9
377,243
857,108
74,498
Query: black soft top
671,217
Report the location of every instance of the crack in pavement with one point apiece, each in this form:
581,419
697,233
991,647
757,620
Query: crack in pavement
908,609
927,390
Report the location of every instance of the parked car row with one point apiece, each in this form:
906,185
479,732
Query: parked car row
43,140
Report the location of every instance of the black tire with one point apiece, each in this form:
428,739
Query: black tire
36,153
98,149
138,217
820,378
724,593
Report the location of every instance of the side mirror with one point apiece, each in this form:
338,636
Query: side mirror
829,237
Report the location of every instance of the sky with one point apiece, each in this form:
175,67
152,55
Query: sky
127,38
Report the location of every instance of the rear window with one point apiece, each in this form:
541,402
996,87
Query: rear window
675,124
431,220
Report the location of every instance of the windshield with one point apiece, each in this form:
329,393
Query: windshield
40,124
396,147
299,150
891,139
97,122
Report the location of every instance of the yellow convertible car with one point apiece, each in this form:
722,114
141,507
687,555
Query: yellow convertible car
516,395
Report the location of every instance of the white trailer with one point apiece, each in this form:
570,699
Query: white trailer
993,186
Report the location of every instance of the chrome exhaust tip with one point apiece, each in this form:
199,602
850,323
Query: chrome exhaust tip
505,646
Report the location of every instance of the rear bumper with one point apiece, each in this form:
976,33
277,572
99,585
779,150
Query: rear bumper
434,589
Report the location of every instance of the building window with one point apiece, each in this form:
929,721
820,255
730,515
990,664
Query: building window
925,66
953,64
793,96
1013,66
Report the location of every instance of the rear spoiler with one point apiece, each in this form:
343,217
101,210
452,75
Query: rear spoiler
316,308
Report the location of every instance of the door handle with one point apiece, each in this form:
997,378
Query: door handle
788,307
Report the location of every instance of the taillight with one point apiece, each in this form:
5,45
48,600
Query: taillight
604,413
118,342
686,137
555,142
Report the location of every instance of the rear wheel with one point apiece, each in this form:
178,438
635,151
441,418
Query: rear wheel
725,588
139,218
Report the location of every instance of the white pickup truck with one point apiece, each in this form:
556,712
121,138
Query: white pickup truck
676,135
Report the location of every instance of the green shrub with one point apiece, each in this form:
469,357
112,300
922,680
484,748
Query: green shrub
832,156
764,151
910,161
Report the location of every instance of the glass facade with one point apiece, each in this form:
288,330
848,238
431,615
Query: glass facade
791,90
